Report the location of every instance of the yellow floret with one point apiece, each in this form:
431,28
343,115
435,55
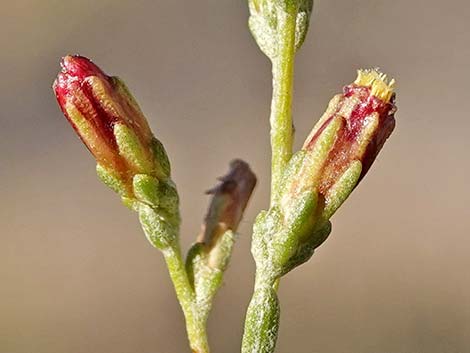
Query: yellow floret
377,82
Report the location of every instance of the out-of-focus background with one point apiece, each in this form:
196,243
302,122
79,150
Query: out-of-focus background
76,273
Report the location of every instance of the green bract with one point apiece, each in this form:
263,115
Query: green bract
267,22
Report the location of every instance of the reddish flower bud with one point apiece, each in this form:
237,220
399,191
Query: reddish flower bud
366,109
344,143
110,123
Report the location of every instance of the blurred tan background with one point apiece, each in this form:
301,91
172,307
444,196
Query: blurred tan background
78,276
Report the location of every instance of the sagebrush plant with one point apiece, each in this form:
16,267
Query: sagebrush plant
307,187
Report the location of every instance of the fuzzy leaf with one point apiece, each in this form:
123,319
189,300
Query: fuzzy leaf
146,189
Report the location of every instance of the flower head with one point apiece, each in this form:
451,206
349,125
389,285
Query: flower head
343,144
109,121
365,112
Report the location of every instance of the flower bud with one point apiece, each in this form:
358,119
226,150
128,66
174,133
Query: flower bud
343,145
110,123
267,21
209,256
229,200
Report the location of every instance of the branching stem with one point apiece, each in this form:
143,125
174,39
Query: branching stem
195,322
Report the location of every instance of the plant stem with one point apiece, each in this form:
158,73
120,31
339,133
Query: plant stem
195,322
262,319
281,103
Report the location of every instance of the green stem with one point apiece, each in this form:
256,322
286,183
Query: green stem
195,323
281,104
262,318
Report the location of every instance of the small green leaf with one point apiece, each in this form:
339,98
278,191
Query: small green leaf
219,255
302,22
160,231
306,249
341,189
146,189
298,223
264,35
196,255
112,180
161,157
298,217
258,244
291,173
131,149
168,197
